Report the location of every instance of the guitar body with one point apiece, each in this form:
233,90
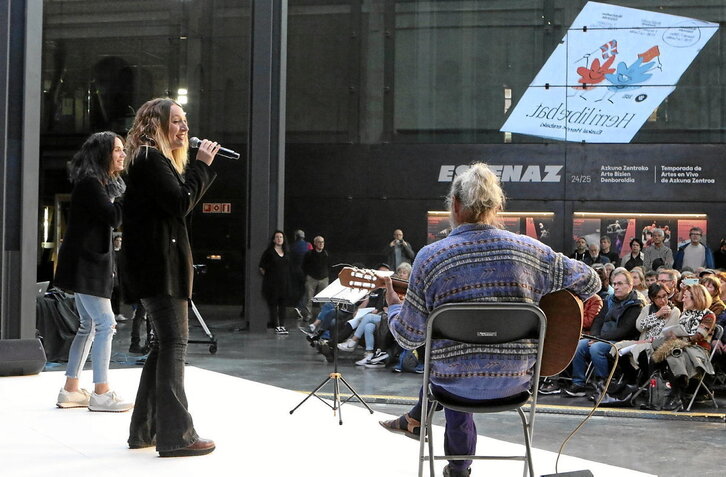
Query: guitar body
562,308
564,327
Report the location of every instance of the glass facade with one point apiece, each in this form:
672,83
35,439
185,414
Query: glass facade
384,100
450,71
103,59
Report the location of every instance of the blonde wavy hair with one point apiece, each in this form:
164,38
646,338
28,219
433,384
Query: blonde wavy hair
479,192
151,129
701,297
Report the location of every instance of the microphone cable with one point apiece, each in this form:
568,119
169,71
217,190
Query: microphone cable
597,402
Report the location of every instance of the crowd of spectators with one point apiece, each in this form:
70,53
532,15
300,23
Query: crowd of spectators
659,314
652,301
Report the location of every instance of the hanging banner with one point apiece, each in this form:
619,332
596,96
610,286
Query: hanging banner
613,68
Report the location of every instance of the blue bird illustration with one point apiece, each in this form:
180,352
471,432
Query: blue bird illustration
629,77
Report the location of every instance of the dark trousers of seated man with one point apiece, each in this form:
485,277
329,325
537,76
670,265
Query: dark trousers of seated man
460,435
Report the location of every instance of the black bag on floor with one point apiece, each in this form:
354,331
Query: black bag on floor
57,322
658,390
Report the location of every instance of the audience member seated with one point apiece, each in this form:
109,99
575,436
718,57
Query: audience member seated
651,277
635,257
686,354
657,255
669,279
594,256
368,325
713,285
580,249
606,251
685,278
606,290
615,322
639,283
609,269
651,321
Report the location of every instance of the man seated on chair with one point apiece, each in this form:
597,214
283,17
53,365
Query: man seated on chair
477,262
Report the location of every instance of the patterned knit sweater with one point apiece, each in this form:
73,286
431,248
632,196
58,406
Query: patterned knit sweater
480,263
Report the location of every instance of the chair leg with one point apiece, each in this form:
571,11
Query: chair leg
423,430
527,444
430,428
695,393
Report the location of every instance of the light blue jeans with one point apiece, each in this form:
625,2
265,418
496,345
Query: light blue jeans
367,327
97,328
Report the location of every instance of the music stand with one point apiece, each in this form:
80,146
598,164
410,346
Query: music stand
338,295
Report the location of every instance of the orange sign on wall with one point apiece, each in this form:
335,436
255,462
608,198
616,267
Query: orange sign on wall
217,208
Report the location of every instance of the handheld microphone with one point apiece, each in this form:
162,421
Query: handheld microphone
194,143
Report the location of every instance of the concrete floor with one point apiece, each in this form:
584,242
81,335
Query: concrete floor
666,444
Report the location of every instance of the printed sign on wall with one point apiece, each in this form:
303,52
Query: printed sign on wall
613,68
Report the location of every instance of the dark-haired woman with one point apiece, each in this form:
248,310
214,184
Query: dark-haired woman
162,190
85,267
275,270
635,257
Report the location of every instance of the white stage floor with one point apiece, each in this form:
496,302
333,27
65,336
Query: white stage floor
250,423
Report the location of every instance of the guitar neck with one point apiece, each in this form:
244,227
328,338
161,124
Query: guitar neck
368,280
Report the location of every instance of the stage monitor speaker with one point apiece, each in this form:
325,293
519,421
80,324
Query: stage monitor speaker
21,357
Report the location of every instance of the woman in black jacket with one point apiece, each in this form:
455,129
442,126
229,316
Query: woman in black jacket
162,191
635,257
275,269
85,267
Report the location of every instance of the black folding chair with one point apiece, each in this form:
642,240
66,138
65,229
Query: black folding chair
482,324
717,334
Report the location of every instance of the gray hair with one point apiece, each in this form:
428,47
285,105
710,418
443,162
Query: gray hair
658,232
624,272
405,266
299,234
479,191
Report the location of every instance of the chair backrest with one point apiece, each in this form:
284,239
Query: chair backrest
717,335
486,323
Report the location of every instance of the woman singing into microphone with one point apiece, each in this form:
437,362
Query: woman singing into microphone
162,189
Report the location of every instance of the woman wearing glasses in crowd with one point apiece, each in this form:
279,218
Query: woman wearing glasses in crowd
86,267
163,189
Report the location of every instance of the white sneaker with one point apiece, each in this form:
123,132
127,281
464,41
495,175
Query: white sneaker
379,356
309,330
366,359
281,330
378,365
349,345
68,399
108,402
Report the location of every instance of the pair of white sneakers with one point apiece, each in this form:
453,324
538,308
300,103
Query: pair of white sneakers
106,402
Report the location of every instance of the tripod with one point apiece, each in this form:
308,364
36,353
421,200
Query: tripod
212,342
335,376
201,269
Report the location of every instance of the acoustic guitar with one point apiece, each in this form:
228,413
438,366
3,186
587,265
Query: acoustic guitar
562,309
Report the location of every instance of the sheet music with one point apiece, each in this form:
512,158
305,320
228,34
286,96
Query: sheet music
337,293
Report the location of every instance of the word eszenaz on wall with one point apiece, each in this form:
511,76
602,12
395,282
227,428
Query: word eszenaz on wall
509,173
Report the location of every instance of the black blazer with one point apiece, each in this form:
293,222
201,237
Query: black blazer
156,257
85,260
